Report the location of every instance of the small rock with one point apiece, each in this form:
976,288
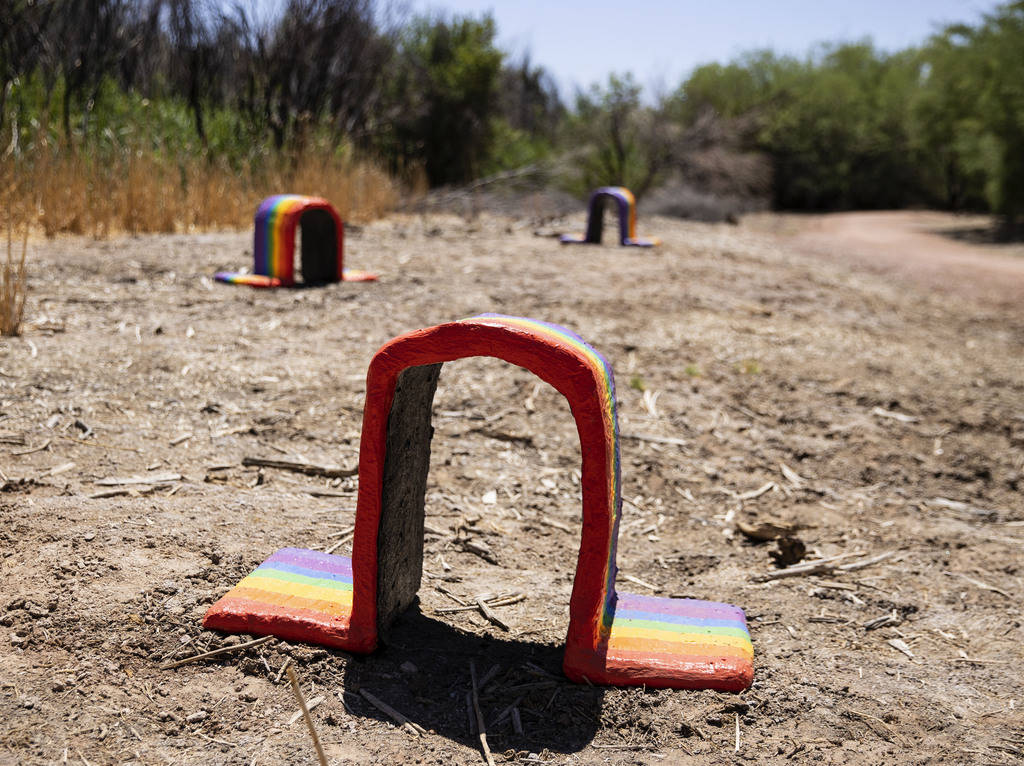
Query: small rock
689,730
735,704
199,715
714,720
408,667
89,536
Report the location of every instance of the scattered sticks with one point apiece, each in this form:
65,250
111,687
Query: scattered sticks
309,706
638,581
343,537
413,728
980,584
480,727
483,604
900,646
491,616
31,450
653,439
309,469
126,481
824,566
215,652
321,756
892,415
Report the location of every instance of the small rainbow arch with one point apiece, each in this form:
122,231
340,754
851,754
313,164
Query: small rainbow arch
323,244
625,202
613,637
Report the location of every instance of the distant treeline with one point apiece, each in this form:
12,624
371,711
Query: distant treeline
428,93
846,127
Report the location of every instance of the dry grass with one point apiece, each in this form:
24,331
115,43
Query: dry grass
12,286
138,193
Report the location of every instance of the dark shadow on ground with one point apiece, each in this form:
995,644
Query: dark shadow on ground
555,713
997,234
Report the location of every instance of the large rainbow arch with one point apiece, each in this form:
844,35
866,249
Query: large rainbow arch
323,244
613,637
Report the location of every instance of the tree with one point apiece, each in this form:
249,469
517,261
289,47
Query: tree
625,143
443,97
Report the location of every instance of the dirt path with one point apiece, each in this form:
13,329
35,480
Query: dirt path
897,411
918,247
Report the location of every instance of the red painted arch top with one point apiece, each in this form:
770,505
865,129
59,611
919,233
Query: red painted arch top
613,638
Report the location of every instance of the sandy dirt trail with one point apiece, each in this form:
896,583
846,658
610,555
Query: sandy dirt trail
927,248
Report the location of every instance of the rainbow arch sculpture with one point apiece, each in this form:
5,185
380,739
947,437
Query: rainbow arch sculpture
625,202
613,637
323,245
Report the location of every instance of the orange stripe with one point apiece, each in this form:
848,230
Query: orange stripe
329,608
677,663
677,649
233,607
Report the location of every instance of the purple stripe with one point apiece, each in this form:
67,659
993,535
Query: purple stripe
315,574
682,607
677,619
321,562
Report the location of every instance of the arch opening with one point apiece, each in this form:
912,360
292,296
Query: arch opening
318,247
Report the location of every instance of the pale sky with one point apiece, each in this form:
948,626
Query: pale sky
661,41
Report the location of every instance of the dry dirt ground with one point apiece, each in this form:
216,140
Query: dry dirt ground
897,410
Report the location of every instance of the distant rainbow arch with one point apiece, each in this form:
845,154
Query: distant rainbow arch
625,202
323,244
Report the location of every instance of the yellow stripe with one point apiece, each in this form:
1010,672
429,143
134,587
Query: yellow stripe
682,639
297,589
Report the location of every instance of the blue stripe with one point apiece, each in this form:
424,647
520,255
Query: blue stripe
317,574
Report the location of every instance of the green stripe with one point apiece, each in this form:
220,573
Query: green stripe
277,574
675,627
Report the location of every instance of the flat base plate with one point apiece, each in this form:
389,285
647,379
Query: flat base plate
304,595
262,280
296,594
681,643
252,280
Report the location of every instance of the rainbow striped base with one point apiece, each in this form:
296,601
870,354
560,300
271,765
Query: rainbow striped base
296,594
261,280
355,275
305,595
680,643
576,239
252,280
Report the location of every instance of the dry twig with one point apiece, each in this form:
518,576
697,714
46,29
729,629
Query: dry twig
215,652
480,727
309,719
413,728
309,469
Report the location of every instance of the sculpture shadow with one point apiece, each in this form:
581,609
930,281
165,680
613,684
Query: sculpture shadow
423,671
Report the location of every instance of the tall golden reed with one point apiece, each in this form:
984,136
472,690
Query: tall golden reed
136,193
12,285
